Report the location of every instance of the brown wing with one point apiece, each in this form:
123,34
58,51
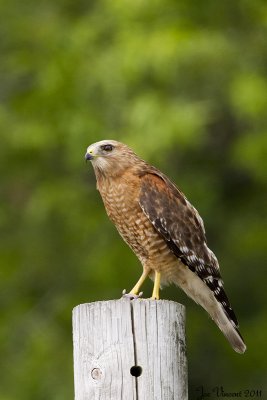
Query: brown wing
182,228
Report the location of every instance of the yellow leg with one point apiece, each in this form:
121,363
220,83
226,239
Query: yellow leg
155,294
135,290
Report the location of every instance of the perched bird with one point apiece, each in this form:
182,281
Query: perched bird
163,229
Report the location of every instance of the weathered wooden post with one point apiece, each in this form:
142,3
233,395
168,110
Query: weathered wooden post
130,350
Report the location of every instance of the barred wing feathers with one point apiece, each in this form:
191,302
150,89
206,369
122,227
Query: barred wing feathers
183,230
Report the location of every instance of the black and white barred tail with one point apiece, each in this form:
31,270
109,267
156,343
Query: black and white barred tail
199,291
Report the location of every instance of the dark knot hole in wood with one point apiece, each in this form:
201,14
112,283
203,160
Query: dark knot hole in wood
136,371
96,374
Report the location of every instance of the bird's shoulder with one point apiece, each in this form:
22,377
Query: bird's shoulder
158,189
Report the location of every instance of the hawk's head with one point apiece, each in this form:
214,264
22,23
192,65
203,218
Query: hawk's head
110,157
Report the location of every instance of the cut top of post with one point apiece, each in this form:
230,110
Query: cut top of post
127,350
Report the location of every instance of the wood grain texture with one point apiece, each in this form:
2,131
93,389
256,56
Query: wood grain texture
111,337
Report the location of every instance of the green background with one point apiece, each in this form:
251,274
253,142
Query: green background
185,84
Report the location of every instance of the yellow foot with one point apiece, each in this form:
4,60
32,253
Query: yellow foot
131,295
134,293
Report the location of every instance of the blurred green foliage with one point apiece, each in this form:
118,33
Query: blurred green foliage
185,84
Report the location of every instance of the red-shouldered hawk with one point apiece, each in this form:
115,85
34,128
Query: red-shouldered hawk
163,229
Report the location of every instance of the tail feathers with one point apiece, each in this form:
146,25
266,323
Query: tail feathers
224,316
230,332
225,319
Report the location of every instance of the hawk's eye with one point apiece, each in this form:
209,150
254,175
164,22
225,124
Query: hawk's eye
107,147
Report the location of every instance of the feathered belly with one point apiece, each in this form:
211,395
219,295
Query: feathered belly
141,236
150,248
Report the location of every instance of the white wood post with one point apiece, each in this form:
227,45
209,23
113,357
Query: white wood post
130,350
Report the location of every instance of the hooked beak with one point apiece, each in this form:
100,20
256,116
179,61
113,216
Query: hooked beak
88,156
